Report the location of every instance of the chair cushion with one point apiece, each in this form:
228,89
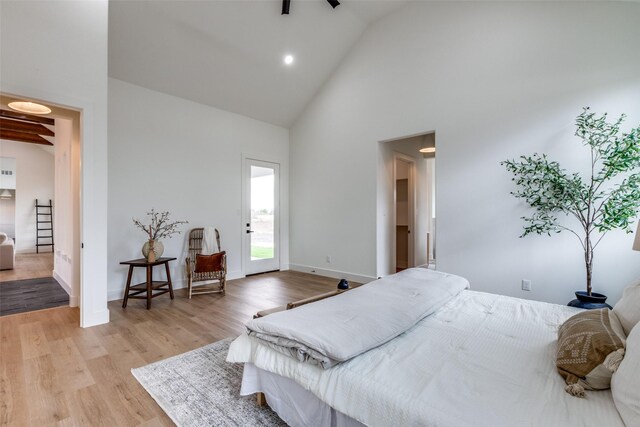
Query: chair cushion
209,263
590,349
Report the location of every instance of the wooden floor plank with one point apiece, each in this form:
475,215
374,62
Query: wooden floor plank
34,340
54,373
70,365
13,394
29,266
47,404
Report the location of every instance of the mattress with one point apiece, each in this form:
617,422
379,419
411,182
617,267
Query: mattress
480,360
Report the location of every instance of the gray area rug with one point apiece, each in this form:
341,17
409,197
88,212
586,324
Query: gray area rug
19,296
200,388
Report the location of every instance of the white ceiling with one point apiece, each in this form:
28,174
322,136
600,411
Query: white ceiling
229,54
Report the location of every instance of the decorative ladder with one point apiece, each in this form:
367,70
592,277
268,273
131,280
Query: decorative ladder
46,225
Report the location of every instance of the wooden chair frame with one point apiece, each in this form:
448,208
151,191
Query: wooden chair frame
196,236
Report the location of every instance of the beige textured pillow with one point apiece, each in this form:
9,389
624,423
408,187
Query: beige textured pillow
625,384
628,308
3,237
590,349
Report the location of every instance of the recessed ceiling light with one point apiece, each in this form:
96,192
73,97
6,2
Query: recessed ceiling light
288,59
29,107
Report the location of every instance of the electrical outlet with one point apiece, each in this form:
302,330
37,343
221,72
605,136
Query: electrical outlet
526,285
329,259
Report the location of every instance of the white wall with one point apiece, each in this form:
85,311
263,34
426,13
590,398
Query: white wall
66,221
175,155
8,206
62,59
34,180
494,80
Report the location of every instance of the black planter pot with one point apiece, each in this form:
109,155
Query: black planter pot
589,302
344,284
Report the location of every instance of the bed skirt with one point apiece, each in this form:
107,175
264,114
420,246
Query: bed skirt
295,405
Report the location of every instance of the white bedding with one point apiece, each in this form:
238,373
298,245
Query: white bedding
480,360
339,328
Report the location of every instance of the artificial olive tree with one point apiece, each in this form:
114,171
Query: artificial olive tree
605,199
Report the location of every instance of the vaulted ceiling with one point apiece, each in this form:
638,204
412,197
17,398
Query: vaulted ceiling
229,54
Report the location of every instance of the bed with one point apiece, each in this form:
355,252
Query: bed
478,360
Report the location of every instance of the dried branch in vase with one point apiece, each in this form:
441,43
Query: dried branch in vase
160,226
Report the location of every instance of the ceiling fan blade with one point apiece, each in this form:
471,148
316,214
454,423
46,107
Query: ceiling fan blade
287,3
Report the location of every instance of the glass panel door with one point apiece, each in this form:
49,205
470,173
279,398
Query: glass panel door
261,216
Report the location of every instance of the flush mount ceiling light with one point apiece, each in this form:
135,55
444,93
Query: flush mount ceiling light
287,3
288,59
29,107
428,146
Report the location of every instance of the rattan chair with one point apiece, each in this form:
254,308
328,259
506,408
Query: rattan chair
203,280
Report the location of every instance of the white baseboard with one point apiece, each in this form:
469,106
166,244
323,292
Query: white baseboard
360,278
118,294
73,299
25,251
94,319
232,275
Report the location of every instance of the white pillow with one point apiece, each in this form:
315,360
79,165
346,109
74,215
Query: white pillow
625,383
628,308
3,237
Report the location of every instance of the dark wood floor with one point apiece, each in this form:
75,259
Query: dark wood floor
54,373
19,296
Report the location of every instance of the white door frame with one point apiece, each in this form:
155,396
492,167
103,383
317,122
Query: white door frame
92,262
246,203
411,208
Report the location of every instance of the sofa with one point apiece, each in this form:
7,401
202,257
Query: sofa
7,252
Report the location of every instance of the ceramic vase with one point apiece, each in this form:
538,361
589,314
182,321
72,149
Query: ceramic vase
152,250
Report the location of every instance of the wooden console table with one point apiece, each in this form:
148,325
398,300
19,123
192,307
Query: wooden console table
148,287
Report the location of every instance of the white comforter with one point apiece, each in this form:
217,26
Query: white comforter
339,328
480,360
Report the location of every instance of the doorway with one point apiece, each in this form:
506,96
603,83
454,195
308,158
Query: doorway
261,216
406,203
40,257
404,199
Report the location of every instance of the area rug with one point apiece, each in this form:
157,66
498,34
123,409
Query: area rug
200,388
19,296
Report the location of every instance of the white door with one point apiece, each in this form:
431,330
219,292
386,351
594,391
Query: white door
261,216
404,209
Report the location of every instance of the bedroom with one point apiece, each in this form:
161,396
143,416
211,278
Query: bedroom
494,80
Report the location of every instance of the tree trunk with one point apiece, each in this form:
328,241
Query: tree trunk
588,259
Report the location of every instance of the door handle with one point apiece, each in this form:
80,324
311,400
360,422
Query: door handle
249,231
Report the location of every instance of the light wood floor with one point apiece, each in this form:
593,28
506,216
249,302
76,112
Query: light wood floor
54,373
29,266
